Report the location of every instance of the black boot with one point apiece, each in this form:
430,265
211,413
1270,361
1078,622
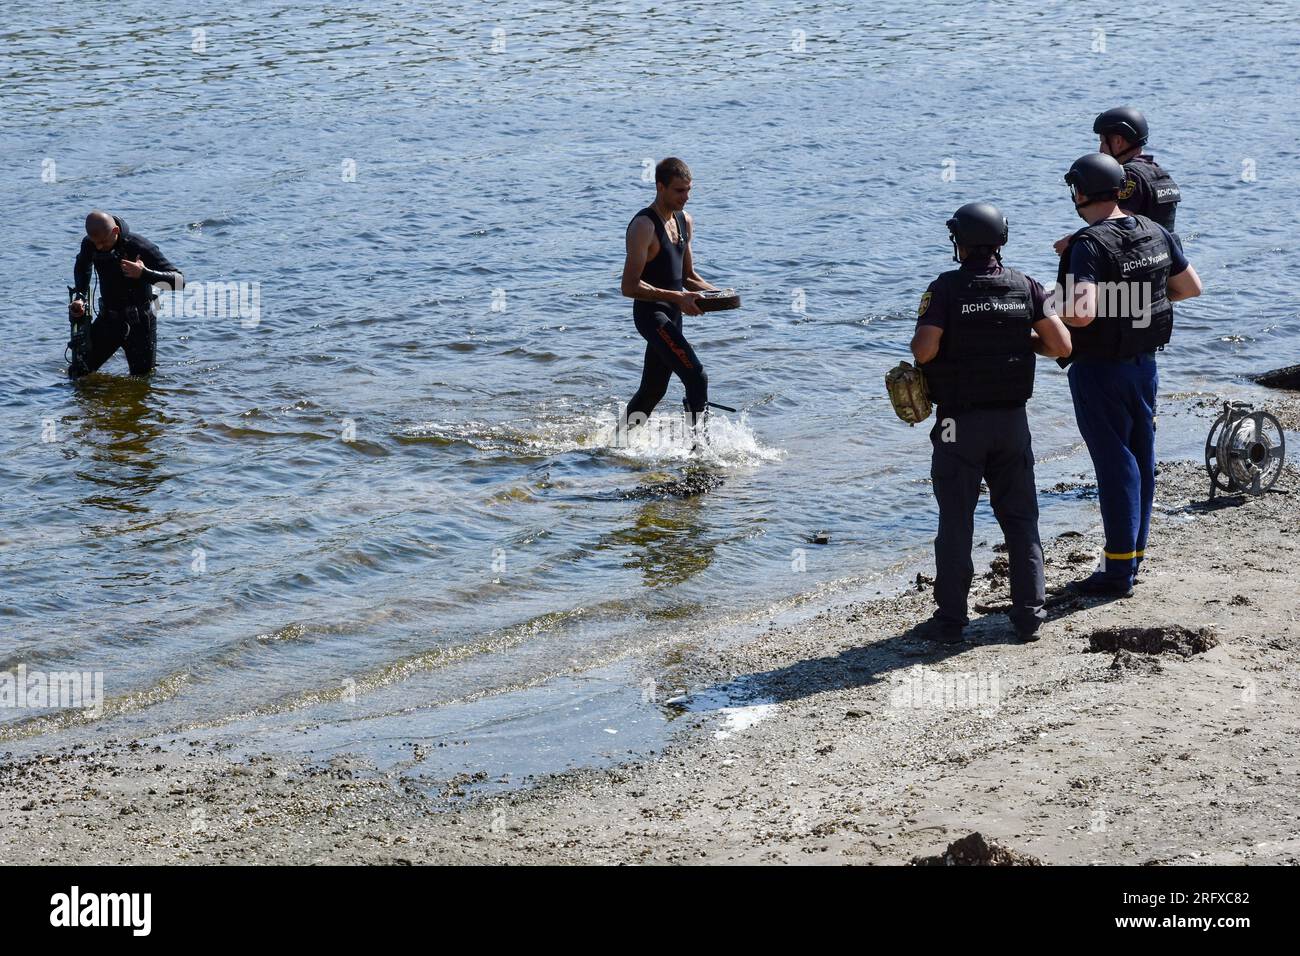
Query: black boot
939,630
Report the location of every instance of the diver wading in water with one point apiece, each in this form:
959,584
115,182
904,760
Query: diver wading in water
128,266
660,275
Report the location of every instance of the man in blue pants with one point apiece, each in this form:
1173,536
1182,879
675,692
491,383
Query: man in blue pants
1118,280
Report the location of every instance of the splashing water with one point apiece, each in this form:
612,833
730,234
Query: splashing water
667,438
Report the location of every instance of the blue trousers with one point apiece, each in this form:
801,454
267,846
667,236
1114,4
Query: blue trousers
1115,406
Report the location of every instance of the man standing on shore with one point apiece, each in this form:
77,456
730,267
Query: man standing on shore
659,273
128,266
978,329
1148,190
1118,278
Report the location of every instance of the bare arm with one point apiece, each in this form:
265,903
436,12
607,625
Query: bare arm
1185,285
925,343
640,234
1051,338
1080,313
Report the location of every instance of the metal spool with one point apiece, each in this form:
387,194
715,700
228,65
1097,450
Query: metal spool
1244,451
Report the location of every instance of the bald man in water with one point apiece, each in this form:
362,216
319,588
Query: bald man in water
129,266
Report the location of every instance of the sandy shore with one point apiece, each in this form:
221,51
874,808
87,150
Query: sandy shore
862,744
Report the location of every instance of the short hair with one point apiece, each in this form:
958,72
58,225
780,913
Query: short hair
982,253
670,169
99,223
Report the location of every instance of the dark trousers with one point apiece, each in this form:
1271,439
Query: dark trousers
992,444
1115,406
667,353
133,330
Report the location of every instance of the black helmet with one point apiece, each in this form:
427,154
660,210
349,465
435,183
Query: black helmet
978,224
1094,174
1126,121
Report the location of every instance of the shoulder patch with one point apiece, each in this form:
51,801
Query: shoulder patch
1126,192
925,304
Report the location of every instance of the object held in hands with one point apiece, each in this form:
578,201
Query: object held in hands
77,352
908,393
718,300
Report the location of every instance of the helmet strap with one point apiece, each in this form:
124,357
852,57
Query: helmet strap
1135,150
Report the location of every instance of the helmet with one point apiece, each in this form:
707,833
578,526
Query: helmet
1126,121
1095,173
978,224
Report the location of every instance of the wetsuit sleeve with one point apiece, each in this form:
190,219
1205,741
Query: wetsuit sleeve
157,269
933,310
1177,258
1085,260
81,268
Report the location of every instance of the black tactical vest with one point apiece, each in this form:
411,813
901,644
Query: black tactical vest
1134,313
1160,204
986,355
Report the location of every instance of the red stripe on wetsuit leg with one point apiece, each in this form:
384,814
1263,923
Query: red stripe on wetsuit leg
674,347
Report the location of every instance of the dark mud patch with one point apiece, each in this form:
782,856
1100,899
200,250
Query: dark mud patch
1165,639
687,485
1126,662
1080,490
974,850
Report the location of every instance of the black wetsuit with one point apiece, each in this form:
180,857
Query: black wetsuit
125,317
660,323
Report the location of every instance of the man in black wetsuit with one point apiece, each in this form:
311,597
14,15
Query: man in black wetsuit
129,266
660,275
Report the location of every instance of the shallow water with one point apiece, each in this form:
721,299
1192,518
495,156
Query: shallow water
396,490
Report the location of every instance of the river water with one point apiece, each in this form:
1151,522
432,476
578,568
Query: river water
385,504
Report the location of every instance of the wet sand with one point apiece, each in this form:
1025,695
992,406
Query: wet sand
864,744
